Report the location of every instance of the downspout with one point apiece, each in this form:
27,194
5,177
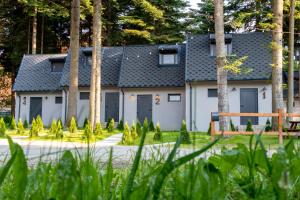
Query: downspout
122,104
191,115
19,108
66,100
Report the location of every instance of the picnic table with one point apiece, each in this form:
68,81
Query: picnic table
293,126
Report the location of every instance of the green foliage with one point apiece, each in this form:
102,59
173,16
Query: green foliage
20,127
138,128
249,127
111,126
145,126
120,126
53,127
73,125
98,129
88,131
185,134
34,130
59,129
26,125
7,120
209,129
85,122
127,138
151,126
134,134
39,123
268,126
232,127
2,127
157,136
13,125
108,122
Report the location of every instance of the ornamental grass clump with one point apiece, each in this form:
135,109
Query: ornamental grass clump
20,127
249,127
13,125
111,126
127,139
185,134
39,123
157,136
2,127
34,130
98,129
73,125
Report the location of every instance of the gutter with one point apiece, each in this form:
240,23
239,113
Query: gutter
123,98
191,115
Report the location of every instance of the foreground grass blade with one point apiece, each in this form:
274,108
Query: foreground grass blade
6,168
135,165
169,166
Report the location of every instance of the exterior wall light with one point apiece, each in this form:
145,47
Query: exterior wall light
233,89
46,97
24,100
157,99
132,97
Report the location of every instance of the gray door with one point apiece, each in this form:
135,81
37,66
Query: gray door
249,104
144,107
35,107
112,106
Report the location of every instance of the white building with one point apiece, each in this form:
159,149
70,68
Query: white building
165,83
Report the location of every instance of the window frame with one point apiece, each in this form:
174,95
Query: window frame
61,67
215,92
84,95
161,59
60,101
228,48
170,95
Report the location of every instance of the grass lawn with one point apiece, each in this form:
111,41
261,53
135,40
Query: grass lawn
199,139
68,137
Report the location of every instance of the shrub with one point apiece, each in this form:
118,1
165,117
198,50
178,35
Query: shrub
111,126
98,129
53,127
134,134
34,130
7,120
13,125
86,121
268,126
20,129
126,139
108,122
249,126
151,126
185,134
209,130
59,133
87,131
138,128
232,128
145,125
39,123
2,127
157,135
73,125
121,125
26,125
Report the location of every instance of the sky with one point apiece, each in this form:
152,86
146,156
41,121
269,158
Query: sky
194,3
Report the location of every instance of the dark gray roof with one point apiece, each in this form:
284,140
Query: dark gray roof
140,68
201,66
35,74
111,62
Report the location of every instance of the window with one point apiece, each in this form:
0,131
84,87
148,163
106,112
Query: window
174,97
84,95
228,49
57,66
58,100
89,60
168,59
212,92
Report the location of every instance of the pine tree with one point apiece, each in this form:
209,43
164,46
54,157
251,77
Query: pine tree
59,129
268,126
185,134
151,126
232,128
98,129
26,125
53,127
111,126
134,134
34,130
145,125
127,139
87,131
157,136
73,125
13,125
20,129
121,125
2,127
138,128
249,126
39,123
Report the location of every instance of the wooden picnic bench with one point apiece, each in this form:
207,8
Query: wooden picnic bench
293,126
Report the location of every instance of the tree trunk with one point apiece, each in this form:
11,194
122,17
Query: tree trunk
291,58
34,27
42,34
28,36
74,45
97,51
220,60
277,97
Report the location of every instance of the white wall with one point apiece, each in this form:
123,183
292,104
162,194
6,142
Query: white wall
50,110
168,114
202,105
